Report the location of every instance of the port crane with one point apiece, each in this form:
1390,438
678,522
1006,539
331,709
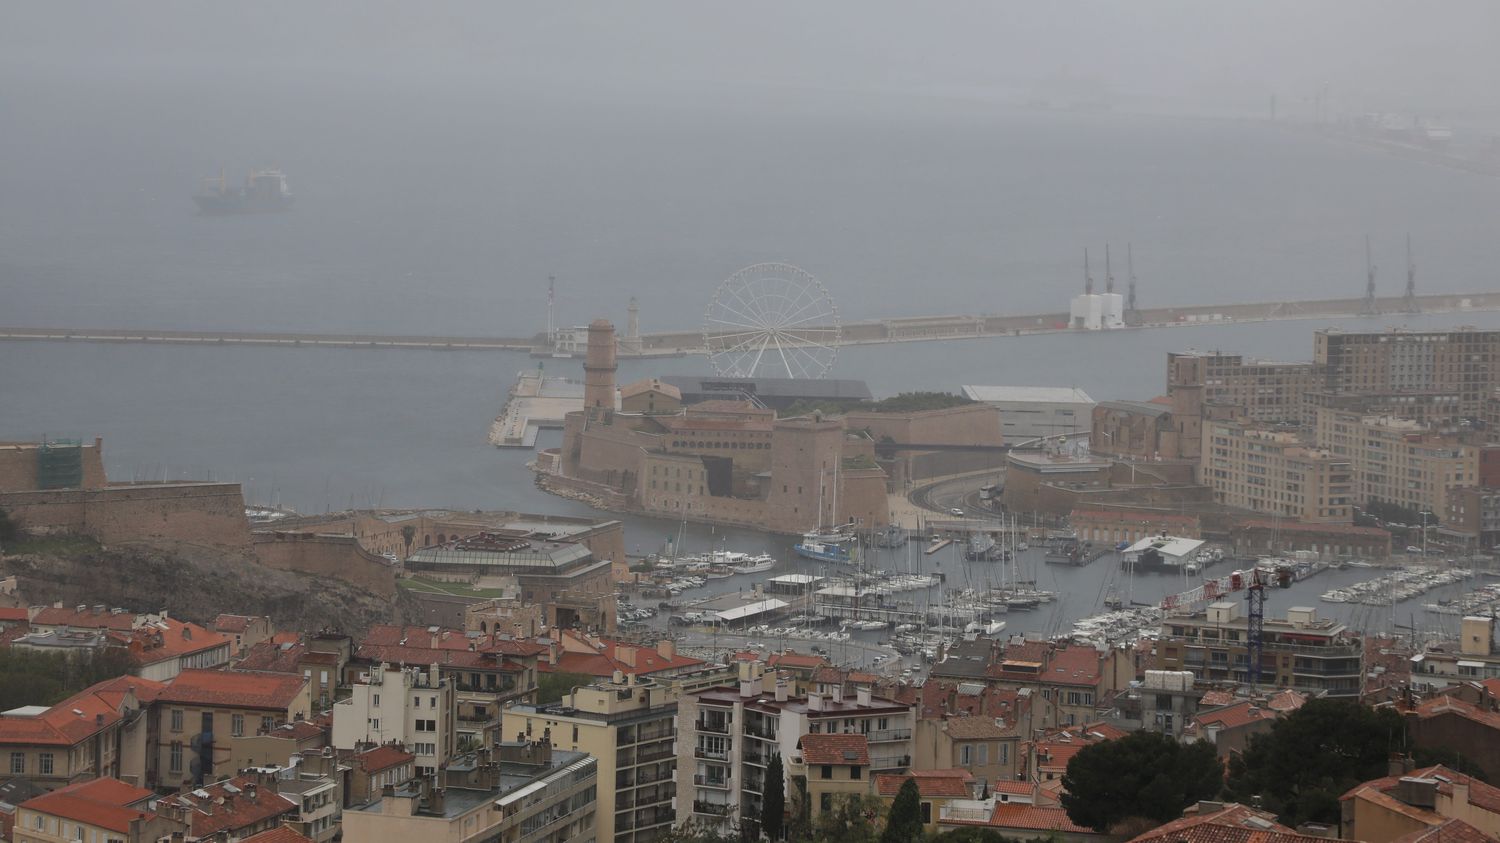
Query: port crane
1253,582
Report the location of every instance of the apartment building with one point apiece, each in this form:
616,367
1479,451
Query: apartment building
1463,361
1300,651
629,726
1272,470
198,705
1400,462
229,810
415,707
521,792
1474,514
727,736
831,768
1265,391
103,731
1475,659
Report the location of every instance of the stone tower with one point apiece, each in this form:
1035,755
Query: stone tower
599,369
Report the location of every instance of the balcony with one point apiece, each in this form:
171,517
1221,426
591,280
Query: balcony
712,809
890,762
656,755
881,735
762,732
716,782
718,728
755,755
711,754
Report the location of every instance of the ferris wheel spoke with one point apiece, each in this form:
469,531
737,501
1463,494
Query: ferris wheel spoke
749,320
741,370
816,363
727,334
786,361
810,318
798,312
755,364
744,343
758,315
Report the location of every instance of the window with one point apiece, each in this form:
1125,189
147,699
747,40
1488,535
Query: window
416,702
926,813
965,755
45,767
323,677
827,771
174,757
984,754
17,762
267,723
432,701
375,724
177,720
854,771
237,724
825,802
375,700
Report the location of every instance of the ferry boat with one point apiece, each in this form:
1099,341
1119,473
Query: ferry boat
265,191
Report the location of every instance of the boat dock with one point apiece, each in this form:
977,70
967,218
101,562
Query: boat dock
535,402
936,546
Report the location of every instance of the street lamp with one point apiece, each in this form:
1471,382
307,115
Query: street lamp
1424,513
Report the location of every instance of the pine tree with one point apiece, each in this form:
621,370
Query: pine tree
904,823
773,804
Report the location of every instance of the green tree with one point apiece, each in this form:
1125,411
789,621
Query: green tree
1312,756
850,819
29,677
904,823
773,802
551,687
1143,774
408,535
8,529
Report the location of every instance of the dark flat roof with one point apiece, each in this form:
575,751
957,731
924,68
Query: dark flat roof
789,388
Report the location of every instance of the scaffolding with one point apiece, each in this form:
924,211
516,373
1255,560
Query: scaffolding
59,464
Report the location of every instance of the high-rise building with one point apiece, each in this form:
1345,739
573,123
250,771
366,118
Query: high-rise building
1300,651
415,707
1463,361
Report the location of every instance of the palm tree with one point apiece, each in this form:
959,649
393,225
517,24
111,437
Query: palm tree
408,534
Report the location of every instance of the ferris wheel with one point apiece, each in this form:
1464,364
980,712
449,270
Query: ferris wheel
771,320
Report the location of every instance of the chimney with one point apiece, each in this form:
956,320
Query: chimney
814,701
781,689
837,693
618,677
666,649
250,789
433,675
862,696
625,654
1398,765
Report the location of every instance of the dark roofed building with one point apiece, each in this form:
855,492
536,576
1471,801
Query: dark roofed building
777,393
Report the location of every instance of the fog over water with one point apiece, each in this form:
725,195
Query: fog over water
445,162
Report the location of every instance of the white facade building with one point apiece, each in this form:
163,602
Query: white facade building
1031,412
414,707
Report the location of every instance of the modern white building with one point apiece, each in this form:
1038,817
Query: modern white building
1031,412
411,706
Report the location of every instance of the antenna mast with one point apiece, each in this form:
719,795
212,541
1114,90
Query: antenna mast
1410,302
1369,308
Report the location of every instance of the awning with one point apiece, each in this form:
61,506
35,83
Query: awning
750,610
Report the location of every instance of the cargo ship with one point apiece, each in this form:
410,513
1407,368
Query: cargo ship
265,191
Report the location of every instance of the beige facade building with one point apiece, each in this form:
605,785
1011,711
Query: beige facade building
415,707
103,731
1299,651
198,705
629,727
95,811
518,792
1399,461
1271,470
1264,391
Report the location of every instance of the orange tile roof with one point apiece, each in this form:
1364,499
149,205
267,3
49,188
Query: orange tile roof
951,784
1438,706
603,658
835,749
225,810
795,660
1217,698
280,834
1235,716
104,803
383,758
234,689
172,639
1073,666
17,614
1233,824
977,728
1033,818
1014,788
272,658
232,623
1287,700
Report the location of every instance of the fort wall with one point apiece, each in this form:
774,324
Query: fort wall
339,557
195,513
18,466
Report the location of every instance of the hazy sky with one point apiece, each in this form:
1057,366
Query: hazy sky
1371,54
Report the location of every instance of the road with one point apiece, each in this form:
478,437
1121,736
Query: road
956,492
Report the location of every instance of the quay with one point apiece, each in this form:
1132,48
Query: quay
535,402
873,332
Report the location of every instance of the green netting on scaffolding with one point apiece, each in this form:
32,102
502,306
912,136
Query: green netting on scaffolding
59,464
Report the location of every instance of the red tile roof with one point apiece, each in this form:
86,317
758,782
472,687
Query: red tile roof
171,639
977,728
104,803
1448,831
302,730
273,658
1233,824
445,638
234,689
1235,716
281,834
1287,700
17,614
86,619
951,784
1448,705
1014,788
232,623
835,749
1073,666
225,810
795,660
383,758
1481,795
77,717
1033,818
602,657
